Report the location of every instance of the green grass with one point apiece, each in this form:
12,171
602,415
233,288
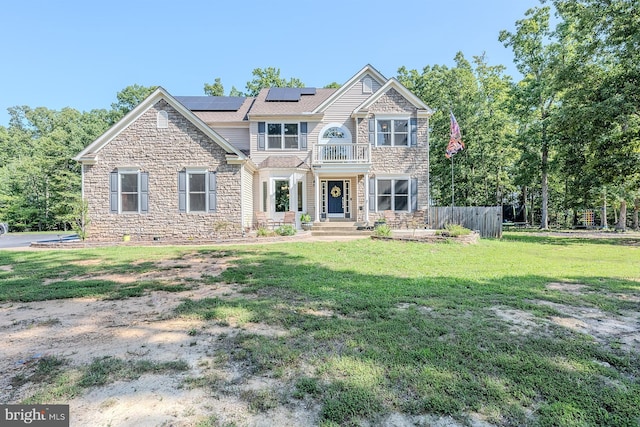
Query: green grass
375,327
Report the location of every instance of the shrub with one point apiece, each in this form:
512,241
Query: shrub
286,230
382,231
264,232
453,230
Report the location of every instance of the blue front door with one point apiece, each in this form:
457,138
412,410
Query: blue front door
336,196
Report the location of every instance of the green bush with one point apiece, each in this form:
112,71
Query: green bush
382,231
264,232
453,230
286,230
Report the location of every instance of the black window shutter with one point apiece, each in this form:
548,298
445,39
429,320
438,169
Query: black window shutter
414,194
213,191
113,192
372,131
413,124
144,192
372,194
182,191
261,136
303,135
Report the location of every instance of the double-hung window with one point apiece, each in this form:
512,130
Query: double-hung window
393,194
393,132
197,191
282,136
128,191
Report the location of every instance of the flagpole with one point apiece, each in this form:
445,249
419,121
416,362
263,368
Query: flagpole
452,191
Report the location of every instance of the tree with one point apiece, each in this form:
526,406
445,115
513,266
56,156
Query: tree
128,99
215,89
269,77
536,57
478,94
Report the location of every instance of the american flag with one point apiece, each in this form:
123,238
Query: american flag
455,140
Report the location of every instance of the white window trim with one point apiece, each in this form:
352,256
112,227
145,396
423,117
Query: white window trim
282,136
128,171
272,190
162,120
367,85
201,171
348,139
393,117
394,178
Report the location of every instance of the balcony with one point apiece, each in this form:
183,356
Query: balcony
342,154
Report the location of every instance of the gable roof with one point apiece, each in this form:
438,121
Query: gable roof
392,83
91,151
368,69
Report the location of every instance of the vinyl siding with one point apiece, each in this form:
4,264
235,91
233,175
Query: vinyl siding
238,137
247,198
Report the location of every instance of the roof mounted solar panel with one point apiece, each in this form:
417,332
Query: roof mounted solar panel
211,103
285,94
288,94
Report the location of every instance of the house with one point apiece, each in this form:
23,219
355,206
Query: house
201,166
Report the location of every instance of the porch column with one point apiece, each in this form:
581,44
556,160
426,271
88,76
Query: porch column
316,195
366,197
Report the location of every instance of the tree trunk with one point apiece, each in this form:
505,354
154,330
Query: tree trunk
636,208
603,221
622,220
544,218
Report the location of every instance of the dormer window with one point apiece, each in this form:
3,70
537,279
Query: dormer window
162,119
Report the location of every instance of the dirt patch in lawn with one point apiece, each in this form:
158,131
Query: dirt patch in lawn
615,330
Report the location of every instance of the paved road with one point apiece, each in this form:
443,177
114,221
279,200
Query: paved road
23,240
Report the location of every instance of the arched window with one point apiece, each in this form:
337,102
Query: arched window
334,133
163,119
367,85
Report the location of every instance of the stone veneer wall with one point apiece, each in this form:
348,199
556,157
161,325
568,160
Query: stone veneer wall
163,153
411,161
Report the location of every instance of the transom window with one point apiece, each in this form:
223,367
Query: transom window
393,194
392,132
334,132
282,136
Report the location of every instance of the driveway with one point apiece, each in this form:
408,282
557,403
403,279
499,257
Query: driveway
23,240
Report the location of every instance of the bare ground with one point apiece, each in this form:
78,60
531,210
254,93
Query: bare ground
81,330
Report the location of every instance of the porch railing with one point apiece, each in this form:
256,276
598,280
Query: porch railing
341,153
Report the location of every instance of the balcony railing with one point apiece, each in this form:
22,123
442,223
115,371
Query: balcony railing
341,153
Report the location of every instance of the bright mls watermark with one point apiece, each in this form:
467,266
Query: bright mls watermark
34,415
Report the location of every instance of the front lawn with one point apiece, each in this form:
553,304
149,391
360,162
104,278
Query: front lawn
508,332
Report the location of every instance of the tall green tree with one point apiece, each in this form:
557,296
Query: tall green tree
269,77
128,98
536,56
478,94
215,89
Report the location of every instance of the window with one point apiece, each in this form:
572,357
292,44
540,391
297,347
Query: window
392,132
197,191
128,191
393,194
162,120
300,196
367,85
282,195
282,136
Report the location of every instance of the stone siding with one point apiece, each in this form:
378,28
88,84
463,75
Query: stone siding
410,161
163,153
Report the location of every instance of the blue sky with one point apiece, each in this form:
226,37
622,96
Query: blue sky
80,54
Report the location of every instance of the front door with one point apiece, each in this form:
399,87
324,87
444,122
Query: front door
336,198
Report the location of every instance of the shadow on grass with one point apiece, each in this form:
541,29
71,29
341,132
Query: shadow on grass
566,239
383,343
